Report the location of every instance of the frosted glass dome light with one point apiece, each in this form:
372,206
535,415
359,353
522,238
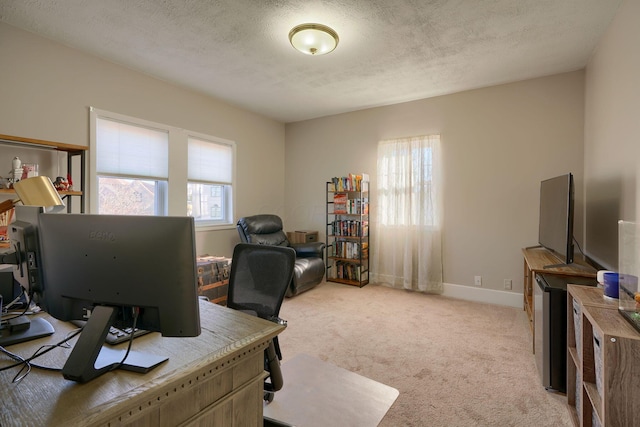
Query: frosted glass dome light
313,39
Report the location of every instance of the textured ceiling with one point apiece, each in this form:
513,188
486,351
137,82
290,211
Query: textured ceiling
390,51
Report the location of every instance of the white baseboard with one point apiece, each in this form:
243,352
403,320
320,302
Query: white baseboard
490,296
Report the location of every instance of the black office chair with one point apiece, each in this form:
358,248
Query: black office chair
258,281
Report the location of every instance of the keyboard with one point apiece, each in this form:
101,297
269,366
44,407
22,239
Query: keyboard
116,335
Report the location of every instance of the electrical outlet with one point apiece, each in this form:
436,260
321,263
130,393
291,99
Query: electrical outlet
478,280
507,283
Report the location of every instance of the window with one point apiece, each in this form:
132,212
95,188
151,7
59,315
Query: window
407,250
405,187
130,173
132,168
210,174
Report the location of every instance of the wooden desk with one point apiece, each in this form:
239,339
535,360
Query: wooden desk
213,379
535,261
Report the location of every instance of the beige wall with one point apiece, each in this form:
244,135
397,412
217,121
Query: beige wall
612,135
498,143
46,90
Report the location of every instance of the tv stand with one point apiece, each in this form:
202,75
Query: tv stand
573,265
538,259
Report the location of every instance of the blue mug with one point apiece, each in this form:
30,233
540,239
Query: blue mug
611,285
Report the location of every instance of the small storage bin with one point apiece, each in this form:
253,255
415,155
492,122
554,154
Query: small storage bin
597,358
577,326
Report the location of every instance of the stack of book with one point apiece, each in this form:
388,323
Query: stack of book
353,182
348,228
346,271
350,250
340,201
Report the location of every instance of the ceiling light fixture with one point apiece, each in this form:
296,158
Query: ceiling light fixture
313,39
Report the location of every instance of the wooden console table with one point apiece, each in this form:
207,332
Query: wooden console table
213,379
535,261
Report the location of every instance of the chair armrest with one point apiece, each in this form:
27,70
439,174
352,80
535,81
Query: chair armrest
308,250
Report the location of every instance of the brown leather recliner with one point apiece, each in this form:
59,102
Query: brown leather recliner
267,229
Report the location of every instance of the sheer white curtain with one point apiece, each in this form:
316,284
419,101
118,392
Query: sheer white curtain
407,242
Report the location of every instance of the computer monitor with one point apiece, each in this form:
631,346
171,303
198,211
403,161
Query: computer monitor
23,254
108,269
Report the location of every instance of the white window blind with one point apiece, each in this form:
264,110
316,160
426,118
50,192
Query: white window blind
131,150
210,161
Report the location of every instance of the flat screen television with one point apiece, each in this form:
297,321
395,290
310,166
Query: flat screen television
112,270
555,230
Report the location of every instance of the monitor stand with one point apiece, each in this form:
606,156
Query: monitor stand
90,359
24,329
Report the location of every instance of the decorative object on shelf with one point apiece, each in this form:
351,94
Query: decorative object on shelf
15,175
313,39
29,170
348,230
16,163
61,183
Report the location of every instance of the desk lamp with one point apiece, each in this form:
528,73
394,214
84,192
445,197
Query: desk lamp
35,191
37,195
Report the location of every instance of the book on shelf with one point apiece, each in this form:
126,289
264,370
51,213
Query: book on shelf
348,228
340,201
350,250
346,271
342,204
352,182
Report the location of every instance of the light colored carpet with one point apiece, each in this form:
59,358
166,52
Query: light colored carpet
454,362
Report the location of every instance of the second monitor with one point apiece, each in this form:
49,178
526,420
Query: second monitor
112,269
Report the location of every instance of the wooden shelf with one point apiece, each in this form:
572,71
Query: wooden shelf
70,149
612,362
346,237
347,234
349,282
62,193
351,260
40,143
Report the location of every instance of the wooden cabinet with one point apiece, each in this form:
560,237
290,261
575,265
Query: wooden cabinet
603,361
540,260
347,242
71,151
